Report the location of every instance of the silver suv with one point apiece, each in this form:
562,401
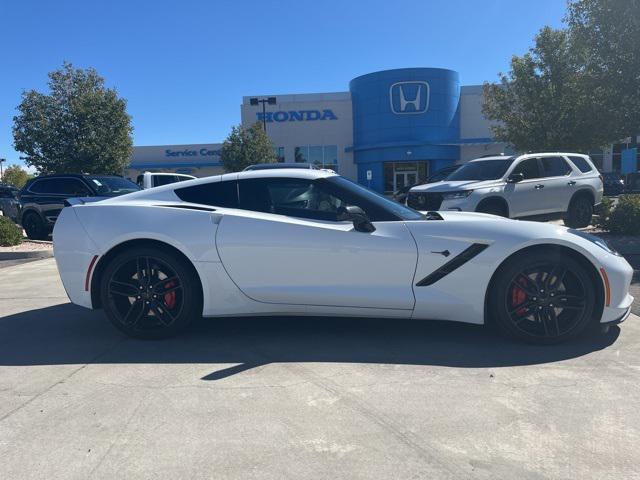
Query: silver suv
544,185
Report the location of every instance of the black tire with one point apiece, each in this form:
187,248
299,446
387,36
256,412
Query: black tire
579,213
150,293
34,226
543,298
493,208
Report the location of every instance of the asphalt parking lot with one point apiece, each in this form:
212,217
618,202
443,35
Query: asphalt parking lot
304,398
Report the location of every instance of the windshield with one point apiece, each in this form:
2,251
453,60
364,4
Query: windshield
113,186
482,170
375,199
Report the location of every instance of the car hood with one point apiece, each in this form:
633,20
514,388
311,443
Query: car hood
446,186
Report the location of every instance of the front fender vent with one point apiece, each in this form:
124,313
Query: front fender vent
453,264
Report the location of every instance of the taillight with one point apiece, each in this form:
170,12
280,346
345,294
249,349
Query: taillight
601,178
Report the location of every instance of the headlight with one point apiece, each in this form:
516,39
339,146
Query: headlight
456,195
593,239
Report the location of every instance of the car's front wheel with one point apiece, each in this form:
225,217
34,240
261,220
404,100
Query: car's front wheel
150,292
543,297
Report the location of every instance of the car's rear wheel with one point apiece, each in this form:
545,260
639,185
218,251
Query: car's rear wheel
543,298
34,227
579,213
151,293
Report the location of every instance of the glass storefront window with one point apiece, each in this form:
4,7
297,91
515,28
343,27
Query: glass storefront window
325,156
301,154
315,154
279,151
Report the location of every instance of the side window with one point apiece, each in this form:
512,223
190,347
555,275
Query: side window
216,194
159,180
40,186
289,196
71,186
554,167
529,168
581,163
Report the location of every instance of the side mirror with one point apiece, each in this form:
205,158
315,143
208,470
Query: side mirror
356,215
515,178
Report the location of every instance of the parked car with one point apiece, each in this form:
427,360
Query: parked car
156,179
633,183
536,185
271,166
9,201
310,242
613,183
43,197
401,195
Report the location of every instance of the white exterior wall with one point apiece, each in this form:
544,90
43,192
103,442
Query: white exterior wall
473,125
292,133
196,159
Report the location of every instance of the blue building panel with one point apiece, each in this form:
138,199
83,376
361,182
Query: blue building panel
405,115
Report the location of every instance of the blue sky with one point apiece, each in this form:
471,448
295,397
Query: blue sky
183,66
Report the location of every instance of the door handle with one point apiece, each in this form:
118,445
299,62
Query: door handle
539,186
572,182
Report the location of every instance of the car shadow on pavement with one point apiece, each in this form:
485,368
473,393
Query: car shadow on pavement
67,334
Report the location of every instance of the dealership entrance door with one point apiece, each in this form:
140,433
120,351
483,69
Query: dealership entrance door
403,174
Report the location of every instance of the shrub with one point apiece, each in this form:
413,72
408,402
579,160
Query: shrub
605,212
625,218
10,234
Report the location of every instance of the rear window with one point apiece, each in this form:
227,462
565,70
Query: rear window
112,186
554,167
216,194
582,164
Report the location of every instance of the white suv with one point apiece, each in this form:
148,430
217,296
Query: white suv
544,185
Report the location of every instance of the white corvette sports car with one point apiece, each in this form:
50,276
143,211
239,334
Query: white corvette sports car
309,242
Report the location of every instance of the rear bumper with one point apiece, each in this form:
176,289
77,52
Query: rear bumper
74,252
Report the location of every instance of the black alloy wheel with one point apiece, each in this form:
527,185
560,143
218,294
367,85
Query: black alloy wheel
580,213
150,293
544,299
34,226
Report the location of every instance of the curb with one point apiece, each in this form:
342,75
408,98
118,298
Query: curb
40,254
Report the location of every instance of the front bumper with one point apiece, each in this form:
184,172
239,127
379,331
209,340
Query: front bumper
616,276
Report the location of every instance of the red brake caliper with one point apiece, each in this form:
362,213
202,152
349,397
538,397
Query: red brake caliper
518,296
170,298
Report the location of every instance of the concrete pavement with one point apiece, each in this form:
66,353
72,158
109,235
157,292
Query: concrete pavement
277,398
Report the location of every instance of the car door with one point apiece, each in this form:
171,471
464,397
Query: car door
290,248
559,183
525,197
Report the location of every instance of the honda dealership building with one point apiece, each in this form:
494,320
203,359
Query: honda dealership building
390,129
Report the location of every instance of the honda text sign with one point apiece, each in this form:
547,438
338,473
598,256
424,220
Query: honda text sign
409,97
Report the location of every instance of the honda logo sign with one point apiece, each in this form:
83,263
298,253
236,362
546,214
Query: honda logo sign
409,97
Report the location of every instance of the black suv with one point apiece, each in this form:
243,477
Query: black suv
42,198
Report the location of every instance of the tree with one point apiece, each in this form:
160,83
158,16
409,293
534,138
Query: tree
246,146
544,103
16,176
80,126
606,36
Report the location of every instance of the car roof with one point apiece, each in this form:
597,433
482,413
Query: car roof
169,174
164,190
75,175
275,166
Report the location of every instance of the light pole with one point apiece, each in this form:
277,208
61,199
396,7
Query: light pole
255,101
2,160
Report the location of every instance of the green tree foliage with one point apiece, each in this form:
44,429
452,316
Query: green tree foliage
606,36
246,146
15,175
80,126
542,104
578,88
